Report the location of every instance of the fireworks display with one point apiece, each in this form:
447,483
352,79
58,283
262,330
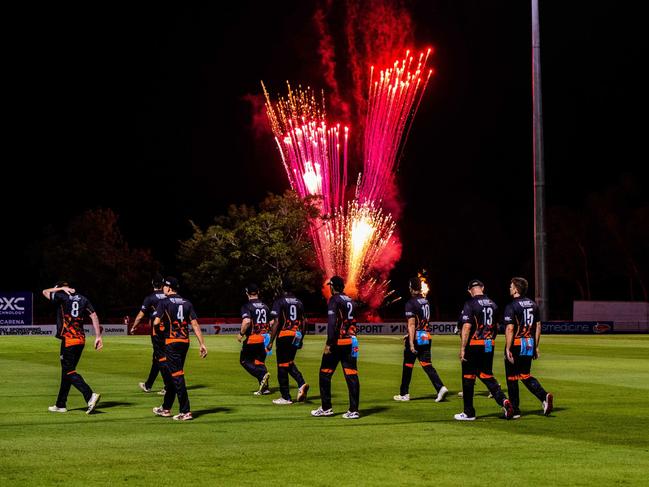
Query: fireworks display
350,237
394,96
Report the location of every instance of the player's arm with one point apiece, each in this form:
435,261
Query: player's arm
510,315
49,292
274,330
95,324
411,334
199,334
245,324
466,329
537,339
331,328
136,323
509,340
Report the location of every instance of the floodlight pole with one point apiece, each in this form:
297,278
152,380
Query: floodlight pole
540,277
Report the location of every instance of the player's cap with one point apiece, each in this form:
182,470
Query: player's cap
474,283
414,283
62,284
337,283
172,282
252,288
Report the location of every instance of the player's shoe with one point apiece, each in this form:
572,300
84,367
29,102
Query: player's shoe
263,392
282,401
184,416
517,414
301,392
94,399
322,412
441,394
508,409
463,417
490,396
143,387
460,394
55,409
547,404
398,397
351,415
263,384
160,411
162,392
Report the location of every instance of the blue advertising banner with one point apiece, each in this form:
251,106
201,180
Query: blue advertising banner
577,327
16,308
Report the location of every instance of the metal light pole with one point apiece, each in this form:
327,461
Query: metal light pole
540,281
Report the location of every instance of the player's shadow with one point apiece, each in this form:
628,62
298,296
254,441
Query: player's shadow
204,412
196,386
421,398
375,410
105,405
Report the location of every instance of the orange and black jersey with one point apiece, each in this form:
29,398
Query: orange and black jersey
259,315
523,313
289,312
70,316
419,309
149,306
341,324
480,313
176,314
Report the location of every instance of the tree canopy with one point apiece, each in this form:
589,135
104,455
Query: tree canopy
266,246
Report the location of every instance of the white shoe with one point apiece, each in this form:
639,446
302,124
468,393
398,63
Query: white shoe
263,384
281,400
405,397
548,404
460,394
463,417
262,393
322,412
143,387
93,402
301,393
55,409
441,394
490,396
159,411
184,416
351,415
162,392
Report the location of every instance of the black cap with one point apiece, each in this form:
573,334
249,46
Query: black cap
172,282
337,282
415,283
252,288
474,283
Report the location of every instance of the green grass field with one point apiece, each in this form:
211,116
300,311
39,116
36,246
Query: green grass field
598,434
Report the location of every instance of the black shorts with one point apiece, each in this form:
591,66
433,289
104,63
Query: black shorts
478,363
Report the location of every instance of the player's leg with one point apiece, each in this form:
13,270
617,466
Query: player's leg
248,360
292,368
425,359
327,368
73,354
532,384
512,373
486,375
350,368
469,373
176,354
155,364
406,373
170,388
284,344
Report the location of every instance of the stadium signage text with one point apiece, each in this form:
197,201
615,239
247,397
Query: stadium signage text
16,308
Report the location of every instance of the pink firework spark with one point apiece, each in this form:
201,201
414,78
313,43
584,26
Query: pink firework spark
394,97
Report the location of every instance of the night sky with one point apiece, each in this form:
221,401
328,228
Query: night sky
154,100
